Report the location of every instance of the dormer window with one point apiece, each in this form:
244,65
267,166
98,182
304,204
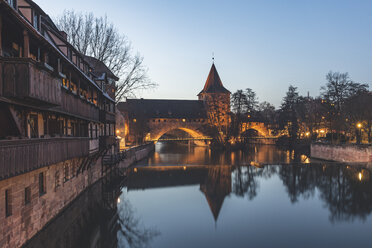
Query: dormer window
36,21
12,3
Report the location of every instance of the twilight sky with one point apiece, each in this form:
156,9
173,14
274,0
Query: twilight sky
263,45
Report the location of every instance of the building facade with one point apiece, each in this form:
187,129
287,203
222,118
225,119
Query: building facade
57,120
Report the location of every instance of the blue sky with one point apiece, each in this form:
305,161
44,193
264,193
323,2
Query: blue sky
263,45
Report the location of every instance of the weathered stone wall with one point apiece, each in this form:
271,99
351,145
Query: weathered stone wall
136,154
62,185
262,141
27,219
87,222
342,153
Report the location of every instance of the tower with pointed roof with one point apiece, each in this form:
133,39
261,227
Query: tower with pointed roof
217,100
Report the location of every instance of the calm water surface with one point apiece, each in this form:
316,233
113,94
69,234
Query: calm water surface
263,197
193,197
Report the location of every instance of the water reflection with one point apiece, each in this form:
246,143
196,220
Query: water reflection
132,233
167,154
345,190
345,193
98,218
194,197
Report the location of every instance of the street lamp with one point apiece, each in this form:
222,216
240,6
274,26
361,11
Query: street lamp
359,134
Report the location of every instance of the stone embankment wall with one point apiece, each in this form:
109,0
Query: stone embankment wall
262,141
62,185
136,154
342,153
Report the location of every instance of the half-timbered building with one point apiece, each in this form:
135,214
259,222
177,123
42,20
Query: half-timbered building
57,119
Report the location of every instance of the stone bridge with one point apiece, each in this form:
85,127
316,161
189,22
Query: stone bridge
150,119
196,128
260,127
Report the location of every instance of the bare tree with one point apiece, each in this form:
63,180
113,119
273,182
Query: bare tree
98,38
267,112
239,102
338,89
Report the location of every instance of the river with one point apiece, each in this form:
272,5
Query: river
185,196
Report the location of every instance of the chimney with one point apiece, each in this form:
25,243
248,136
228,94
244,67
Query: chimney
64,34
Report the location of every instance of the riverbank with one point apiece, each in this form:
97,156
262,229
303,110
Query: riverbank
35,198
135,154
342,153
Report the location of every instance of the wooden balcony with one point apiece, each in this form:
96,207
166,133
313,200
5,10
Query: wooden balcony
33,84
26,80
106,117
106,141
73,104
21,156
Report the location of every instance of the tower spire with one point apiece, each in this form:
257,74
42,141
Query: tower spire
212,57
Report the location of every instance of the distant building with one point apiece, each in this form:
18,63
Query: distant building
149,119
217,100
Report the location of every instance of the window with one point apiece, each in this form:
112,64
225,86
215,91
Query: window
27,195
8,203
42,188
12,3
36,21
34,131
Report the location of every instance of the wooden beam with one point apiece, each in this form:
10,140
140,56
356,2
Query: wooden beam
59,65
26,44
17,120
1,28
78,87
39,54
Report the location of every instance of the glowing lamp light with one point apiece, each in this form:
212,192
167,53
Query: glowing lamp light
359,125
322,131
135,169
183,120
307,133
117,131
118,199
360,176
184,167
134,120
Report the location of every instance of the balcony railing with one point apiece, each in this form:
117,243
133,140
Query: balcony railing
20,156
106,117
25,80
75,105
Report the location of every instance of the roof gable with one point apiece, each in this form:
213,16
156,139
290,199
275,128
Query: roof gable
214,83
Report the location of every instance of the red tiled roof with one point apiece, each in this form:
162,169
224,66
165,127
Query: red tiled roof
214,83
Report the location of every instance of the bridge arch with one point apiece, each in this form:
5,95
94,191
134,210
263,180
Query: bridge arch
260,127
193,129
